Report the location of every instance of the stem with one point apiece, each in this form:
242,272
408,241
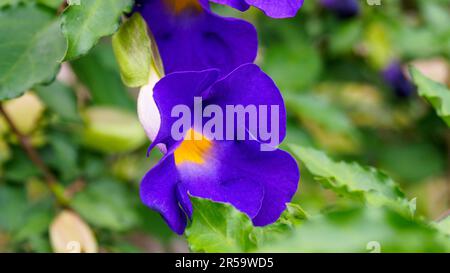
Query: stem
62,7
443,216
25,143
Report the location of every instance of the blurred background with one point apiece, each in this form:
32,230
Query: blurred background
343,72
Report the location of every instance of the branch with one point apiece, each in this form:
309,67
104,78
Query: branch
25,143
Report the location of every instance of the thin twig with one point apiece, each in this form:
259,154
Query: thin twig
25,143
443,216
62,7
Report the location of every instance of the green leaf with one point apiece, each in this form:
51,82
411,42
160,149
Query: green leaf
293,216
437,94
317,109
62,155
13,205
99,72
404,161
4,3
84,24
32,52
219,227
107,204
60,99
49,3
282,62
132,47
328,124
36,221
20,168
362,230
444,225
352,180
345,37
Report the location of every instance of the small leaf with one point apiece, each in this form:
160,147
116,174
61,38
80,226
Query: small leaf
379,44
70,234
99,72
20,168
4,3
293,216
437,94
281,61
107,204
62,155
49,3
329,124
444,225
32,51
84,24
219,227
35,221
13,205
320,110
132,48
352,180
60,99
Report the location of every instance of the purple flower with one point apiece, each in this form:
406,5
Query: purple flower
395,77
342,8
258,183
192,38
272,8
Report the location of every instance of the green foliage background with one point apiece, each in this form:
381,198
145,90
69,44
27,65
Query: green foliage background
342,118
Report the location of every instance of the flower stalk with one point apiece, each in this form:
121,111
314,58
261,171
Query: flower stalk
24,141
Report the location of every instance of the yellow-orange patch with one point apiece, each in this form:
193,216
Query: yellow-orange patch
181,5
193,149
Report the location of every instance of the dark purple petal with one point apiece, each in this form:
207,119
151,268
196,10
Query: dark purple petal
256,183
245,86
237,4
396,79
277,8
184,200
272,8
342,8
249,85
281,177
178,88
193,40
159,192
224,177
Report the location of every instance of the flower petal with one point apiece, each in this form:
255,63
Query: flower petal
237,4
342,8
249,85
198,40
395,77
256,183
281,177
159,192
178,88
147,110
276,171
226,175
272,8
277,8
